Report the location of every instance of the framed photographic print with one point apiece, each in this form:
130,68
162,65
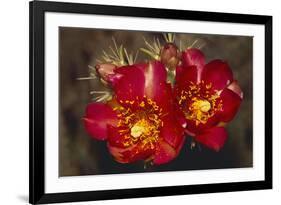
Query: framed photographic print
140,102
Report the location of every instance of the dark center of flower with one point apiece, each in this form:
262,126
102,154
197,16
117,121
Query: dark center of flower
199,102
140,125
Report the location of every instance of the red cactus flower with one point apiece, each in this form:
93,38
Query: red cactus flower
208,96
139,123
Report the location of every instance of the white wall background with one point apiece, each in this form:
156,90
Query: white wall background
14,99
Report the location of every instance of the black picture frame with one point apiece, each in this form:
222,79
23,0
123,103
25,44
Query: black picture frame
37,194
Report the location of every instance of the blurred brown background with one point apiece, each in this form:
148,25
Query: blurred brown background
81,155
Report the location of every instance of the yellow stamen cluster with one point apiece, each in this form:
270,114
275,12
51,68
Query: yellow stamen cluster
140,128
200,102
140,125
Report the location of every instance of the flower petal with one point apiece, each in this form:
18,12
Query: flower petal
179,70
213,138
164,97
98,116
172,132
164,153
186,77
194,57
194,128
236,88
179,115
116,152
129,154
178,148
112,79
131,85
231,103
137,153
155,75
218,74
115,138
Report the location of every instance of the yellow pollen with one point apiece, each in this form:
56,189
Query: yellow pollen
202,105
142,104
199,102
141,127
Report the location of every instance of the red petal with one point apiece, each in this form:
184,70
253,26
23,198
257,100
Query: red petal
179,116
115,138
218,73
193,128
112,79
156,87
186,77
231,103
131,85
172,132
213,138
236,88
137,153
98,116
178,149
193,57
130,154
164,97
155,75
179,70
116,152
164,153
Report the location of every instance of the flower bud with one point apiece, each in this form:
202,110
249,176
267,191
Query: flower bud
105,69
107,74
170,55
